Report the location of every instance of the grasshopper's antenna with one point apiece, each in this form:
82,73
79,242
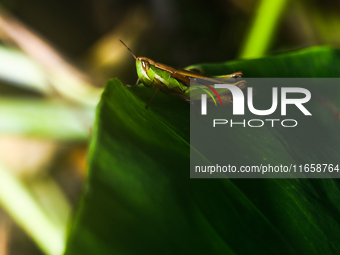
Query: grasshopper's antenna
133,55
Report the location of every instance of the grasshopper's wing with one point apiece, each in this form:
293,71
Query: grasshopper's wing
180,74
185,75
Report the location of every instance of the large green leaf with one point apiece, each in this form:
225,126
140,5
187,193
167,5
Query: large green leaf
139,198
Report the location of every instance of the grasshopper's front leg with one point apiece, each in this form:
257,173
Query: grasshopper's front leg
133,86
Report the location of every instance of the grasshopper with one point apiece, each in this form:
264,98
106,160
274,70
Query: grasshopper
176,82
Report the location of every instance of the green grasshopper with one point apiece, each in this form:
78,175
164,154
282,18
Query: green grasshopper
176,82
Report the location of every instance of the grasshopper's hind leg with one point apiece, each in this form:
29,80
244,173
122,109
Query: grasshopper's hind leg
154,95
196,70
233,75
133,86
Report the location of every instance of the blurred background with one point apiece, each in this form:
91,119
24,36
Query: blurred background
55,57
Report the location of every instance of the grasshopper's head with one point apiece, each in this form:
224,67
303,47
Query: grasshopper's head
142,66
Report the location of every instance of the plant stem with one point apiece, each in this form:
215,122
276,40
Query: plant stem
21,206
263,28
45,118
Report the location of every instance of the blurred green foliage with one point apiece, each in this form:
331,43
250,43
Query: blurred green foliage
50,100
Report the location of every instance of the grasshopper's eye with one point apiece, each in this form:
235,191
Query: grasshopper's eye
145,65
